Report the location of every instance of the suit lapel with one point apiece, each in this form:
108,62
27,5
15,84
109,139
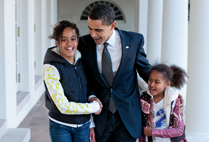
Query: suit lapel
93,59
125,52
94,65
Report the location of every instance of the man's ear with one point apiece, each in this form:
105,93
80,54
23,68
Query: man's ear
113,25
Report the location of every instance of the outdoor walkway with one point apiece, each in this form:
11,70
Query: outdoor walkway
38,122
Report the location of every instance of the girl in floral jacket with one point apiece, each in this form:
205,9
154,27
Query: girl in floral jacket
162,120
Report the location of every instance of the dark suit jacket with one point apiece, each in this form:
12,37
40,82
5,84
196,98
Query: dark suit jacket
124,90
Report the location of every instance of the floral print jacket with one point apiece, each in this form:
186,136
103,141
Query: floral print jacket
176,130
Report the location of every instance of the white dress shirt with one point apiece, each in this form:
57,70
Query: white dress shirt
115,49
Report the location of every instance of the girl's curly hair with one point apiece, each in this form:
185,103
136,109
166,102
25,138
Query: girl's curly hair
59,28
174,73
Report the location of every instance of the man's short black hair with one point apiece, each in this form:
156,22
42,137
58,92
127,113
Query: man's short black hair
102,12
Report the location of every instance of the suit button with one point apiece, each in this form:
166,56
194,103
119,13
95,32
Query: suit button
111,90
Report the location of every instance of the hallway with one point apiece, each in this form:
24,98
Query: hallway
38,122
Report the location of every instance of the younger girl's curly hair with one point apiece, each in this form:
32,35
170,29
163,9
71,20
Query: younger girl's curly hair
59,28
175,74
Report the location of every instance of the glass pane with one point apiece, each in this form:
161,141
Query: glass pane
115,8
85,13
118,13
88,8
107,3
112,5
92,5
84,18
119,18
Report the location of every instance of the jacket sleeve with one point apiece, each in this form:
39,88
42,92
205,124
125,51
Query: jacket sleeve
142,64
178,127
51,77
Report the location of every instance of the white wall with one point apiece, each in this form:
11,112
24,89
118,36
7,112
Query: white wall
12,109
72,9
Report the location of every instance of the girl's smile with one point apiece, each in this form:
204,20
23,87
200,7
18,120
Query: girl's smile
68,44
157,84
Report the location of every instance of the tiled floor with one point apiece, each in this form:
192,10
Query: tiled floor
38,122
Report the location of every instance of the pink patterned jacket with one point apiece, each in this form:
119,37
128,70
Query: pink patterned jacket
176,124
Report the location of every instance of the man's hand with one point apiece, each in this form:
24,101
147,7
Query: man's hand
181,106
92,135
147,131
96,99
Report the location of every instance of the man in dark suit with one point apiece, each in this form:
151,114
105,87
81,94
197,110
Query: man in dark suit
116,87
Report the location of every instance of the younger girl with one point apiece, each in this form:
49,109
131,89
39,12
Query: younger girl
162,120
66,87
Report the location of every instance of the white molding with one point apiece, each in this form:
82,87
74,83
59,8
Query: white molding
22,100
3,127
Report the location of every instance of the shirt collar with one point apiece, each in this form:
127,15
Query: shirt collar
112,38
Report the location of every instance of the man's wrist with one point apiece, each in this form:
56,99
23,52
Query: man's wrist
92,96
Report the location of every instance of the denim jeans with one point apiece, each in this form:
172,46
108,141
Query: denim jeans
62,133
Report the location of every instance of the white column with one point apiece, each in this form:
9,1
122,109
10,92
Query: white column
39,39
44,27
142,7
2,63
175,34
54,11
197,113
53,17
41,34
9,61
48,21
24,45
31,79
142,16
154,31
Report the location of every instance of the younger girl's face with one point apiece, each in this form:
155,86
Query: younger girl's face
157,84
68,44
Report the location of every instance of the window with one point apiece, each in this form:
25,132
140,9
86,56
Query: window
118,13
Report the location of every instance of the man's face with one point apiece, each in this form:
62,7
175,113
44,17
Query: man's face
100,33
